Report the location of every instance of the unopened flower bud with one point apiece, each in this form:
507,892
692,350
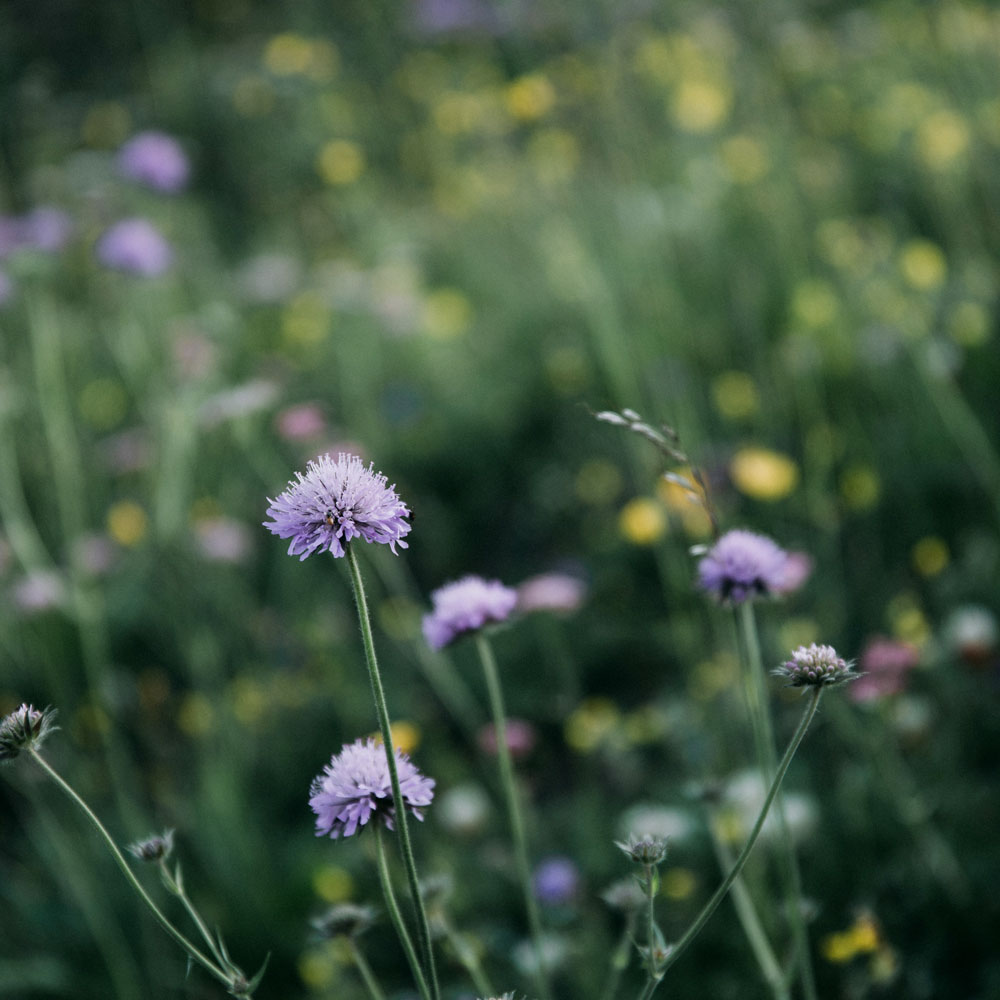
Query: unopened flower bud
24,729
344,920
156,848
645,849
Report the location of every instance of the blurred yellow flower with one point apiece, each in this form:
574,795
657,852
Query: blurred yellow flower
340,162
655,59
106,124
795,632
195,714
405,736
529,97
678,883
942,139
447,313
860,487
745,159
288,54
711,677
127,523
814,303
735,395
399,617
568,370
907,619
598,481
701,105
333,884
248,699
969,324
930,556
305,319
643,521
762,474
103,403
923,265
319,968
591,723
861,938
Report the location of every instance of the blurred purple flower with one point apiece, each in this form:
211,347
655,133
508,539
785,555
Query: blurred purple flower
39,591
127,451
194,355
556,881
334,502
521,737
742,565
557,592
94,554
885,664
135,246
269,278
156,160
239,401
303,421
46,228
221,539
466,606
445,16
798,569
355,786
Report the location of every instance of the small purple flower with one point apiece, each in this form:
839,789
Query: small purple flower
816,666
556,881
46,228
334,502
521,737
24,729
355,786
156,160
466,606
135,246
559,592
742,565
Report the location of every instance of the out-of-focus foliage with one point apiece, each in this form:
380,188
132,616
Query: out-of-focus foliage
441,234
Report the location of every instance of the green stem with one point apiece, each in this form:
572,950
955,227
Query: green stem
364,969
767,757
710,907
650,876
750,921
399,803
195,954
175,887
396,917
513,808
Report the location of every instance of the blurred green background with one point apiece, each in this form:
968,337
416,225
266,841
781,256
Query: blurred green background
443,233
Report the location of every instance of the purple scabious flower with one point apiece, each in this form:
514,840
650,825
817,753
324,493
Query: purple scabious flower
135,246
334,502
466,606
816,666
156,160
355,786
743,565
556,880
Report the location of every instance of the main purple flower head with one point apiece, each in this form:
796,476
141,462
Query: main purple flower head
355,786
743,565
156,160
816,666
334,502
466,606
136,246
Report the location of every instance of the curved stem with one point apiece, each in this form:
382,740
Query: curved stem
190,948
767,757
513,808
402,827
709,908
395,916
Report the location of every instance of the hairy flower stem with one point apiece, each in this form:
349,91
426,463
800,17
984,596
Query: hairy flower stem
396,917
365,971
651,884
175,886
766,759
710,907
513,809
196,955
402,827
